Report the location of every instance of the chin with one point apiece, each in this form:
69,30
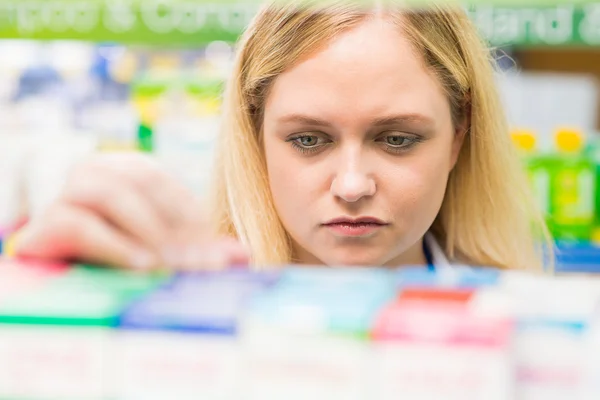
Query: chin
354,260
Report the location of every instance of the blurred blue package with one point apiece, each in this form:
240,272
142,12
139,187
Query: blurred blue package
196,317
307,337
455,277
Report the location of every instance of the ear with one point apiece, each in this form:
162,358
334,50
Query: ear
460,132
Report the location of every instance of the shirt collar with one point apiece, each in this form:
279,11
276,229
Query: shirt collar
438,257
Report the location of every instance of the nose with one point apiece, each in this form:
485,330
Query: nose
352,181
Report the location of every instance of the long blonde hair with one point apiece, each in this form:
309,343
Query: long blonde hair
487,216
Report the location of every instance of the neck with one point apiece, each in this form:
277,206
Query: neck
413,256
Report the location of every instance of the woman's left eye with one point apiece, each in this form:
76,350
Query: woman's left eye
398,142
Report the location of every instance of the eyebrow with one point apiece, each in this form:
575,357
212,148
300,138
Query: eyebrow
304,119
402,119
383,121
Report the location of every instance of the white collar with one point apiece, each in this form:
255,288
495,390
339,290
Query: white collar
438,257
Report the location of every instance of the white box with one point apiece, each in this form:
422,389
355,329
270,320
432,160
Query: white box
285,365
169,365
47,362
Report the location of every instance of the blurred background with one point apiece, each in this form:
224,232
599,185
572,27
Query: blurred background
84,76
79,76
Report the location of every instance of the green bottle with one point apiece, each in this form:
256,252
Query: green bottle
593,151
573,188
145,138
147,97
537,167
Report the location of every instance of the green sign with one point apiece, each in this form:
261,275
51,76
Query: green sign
127,21
541,26
197,22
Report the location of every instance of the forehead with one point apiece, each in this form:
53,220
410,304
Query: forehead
370,69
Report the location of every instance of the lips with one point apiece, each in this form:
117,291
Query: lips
352,221
355,227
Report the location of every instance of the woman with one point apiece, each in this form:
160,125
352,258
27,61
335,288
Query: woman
351,136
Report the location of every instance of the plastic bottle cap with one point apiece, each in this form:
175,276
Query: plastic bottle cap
124,70
524,139
569,140
595,237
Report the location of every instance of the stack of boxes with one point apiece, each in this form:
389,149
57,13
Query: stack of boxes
87,333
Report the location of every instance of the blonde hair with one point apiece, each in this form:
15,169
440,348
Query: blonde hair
487,216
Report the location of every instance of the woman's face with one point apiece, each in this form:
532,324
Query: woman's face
359,143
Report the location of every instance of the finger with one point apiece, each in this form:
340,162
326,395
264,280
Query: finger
216,255
118,202
176,204
70,233
237,254
193,243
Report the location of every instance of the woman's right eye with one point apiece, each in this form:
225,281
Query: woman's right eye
307,143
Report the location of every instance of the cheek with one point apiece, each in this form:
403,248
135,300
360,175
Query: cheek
419,185
292,184
277,170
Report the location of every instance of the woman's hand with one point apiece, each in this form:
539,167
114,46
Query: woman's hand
124,211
